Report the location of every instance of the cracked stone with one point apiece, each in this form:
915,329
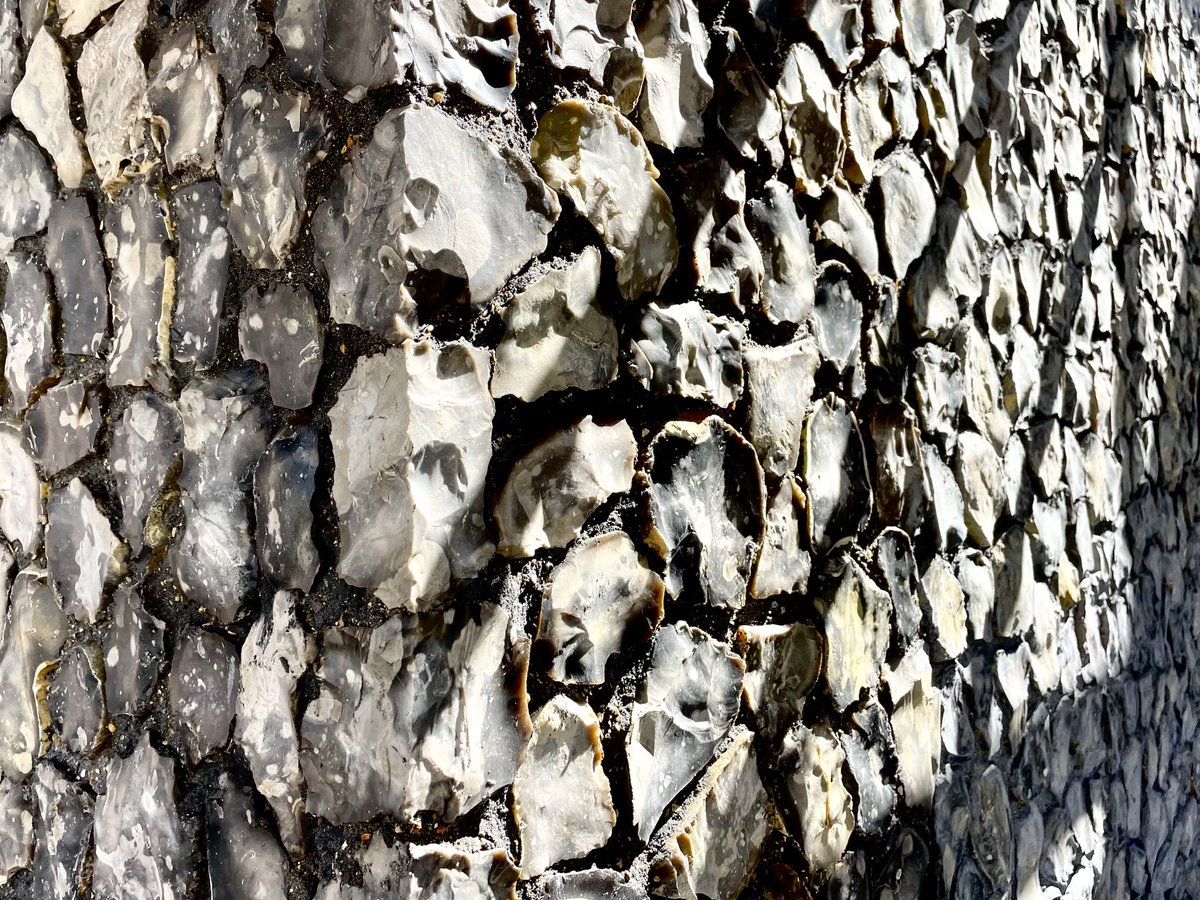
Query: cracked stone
185,100
201,227
76,699
597,38
782,666
747,109
145,445
62,835
244,856
61,426
42,103
28,330
686,351
238,40
284,483
835,470
348,45
278,327
822,805
201,690
83,555
133,652
677,87
786,293
20,492
812,120
80,285
784,564
857,615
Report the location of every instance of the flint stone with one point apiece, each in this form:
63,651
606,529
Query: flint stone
284,483
185,99
782,666
11,54
812,120
201,224
28,330
201,690
348,45
20,493
279,328
133,652
245,860
16,829
83,555
62,835
42,103
61,426
80,284
144,449
597,38
747,109
75,700
683,350
835,470
814,760
684,708
413,871
26,188
784,563
423,411
779,383
786,293
857,615
239,43
677,86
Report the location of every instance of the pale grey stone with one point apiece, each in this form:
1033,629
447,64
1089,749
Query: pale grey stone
845,225
425,411
62,835
748,110
1012,562
784,563
112,79
12,53
591,884
427,871
245,861
982,401
857,615
991,828
707,509
443,43
75,699
907,208
943,601
42,102
133,652
980,475
201,222
83,555
838,25
786,292
28,330
419,714
897,566
554,487
837,315
77,15
899,480
238,40
35,634
683,710
866,751
712,848
201,689
916,726
61,426
269,141
556,336
783,663
938,391
144,448
600,600
348,45
726,261
835,470
224,434
684,350
140,292
597,37
275,654
406,222
945,513
868,123
923,28
284,483
677,87
20,492
278,327
16,829
185,101
562,802
814,761
812,120
141,851
80,285
596,157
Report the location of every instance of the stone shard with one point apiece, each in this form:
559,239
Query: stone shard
112,79
245,860
677,85
846,228
76,15
348,45
142,852
600,600
425,713
133,652
141,291
279,328
590,884
726,261
686,351
869,125
35,634
812,120
916,725
898,478
274,656
594,156
711,850
12,53
782,666
28,330
991,828
224,434
747,109
405,223
284,483
907,207
204,244
561,799
185,101
1012,562
423,411
20,492
556,337
944,605
239,42
83,555
816,790
837,315
835,470
786,293
459,871
201,690
554,488
707,528
269,141
779,383
16,829
866,748
784,563
80,285
473,46
684,709
61,426
923,27
857,616
980,473
75,700
26,188
897,566
144,448
62,835
42,103
597,38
